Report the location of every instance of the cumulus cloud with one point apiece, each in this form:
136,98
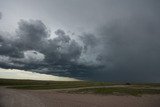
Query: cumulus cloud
31,34
62,36
7,45
62,49
31,56
33,48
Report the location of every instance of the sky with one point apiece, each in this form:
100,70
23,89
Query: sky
100,40
21,74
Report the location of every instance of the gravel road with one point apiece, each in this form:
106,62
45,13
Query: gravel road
50,98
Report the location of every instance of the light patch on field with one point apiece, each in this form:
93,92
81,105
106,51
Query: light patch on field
21,74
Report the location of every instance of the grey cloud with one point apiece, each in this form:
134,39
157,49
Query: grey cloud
33,48
7,46
126,48
4,59
119,51
131,49
32,34
62,49
31,56
8,62
62,36
89,40
92,48
0,15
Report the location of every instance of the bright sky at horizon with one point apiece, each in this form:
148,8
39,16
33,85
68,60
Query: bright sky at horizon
21,74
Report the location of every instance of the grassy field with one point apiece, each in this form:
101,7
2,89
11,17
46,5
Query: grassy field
123,89
118,91
84,87
38,85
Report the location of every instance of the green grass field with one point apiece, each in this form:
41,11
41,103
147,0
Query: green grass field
39,85
118,91
85,87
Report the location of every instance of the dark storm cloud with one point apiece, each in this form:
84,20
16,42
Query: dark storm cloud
125,48
131,49
89,40
0,15
7,46
32,49
31,34
62,49
130,45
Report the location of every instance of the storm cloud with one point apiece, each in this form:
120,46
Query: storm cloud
32,48
0,15
124,45
131,49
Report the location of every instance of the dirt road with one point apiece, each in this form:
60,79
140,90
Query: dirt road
50,98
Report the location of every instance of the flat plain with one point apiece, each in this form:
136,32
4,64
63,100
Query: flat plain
30,93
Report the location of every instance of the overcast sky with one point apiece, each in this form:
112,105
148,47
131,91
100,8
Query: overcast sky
104,40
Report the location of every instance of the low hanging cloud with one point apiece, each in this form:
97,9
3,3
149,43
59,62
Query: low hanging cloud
32,49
